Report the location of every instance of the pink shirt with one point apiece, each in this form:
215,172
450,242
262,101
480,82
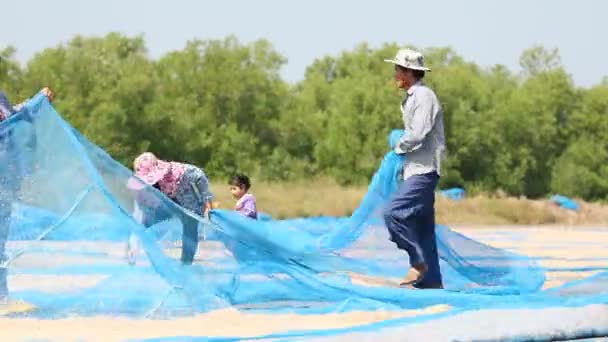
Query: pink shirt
170,182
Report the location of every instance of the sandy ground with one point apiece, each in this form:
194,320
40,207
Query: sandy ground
565,252
218,323
548,324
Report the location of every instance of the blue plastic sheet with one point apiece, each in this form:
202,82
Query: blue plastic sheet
71,214
455,194
565,202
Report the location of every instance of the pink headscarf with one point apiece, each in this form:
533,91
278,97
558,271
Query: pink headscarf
152,170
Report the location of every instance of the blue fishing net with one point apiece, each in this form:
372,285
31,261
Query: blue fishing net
75,243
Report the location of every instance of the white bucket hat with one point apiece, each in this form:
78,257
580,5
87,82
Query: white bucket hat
409,59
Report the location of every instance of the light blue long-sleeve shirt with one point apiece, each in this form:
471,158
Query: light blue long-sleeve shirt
424,142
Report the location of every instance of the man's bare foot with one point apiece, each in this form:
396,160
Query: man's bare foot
414,275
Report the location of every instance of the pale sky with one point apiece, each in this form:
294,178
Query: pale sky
487,32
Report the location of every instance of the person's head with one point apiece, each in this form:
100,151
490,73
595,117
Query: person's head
407,77
149,168
409,67
239,185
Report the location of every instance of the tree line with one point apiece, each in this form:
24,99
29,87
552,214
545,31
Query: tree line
222,105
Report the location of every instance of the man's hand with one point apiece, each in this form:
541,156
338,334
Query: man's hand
48,93
395,138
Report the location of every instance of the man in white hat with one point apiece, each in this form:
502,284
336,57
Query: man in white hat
410,215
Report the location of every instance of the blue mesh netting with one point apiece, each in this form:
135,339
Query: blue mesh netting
69,214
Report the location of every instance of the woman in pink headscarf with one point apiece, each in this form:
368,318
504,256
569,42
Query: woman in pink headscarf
187,185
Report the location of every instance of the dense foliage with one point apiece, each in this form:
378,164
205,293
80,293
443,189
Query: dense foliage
223,105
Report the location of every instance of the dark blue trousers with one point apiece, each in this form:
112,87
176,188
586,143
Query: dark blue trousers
410,219
189,229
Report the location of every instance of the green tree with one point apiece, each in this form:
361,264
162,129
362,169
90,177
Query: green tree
104,85
10,73
348,105
221,99
222,105
582,170
534,125
538,59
